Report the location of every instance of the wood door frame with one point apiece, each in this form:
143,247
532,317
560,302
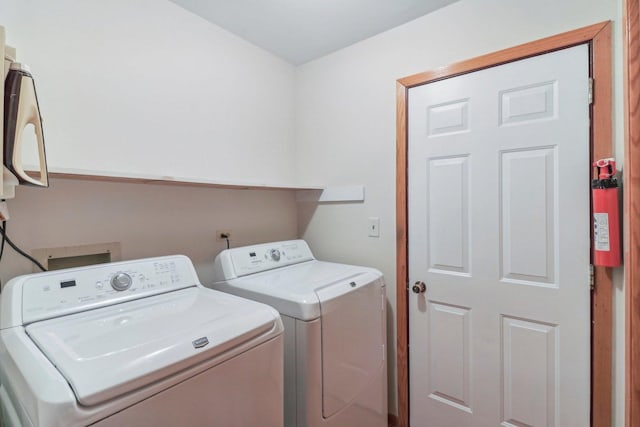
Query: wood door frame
598,37
631,26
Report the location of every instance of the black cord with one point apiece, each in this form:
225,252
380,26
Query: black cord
4,227
4,239
17,249
227,239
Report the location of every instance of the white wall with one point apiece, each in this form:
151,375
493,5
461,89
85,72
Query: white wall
146,87
147,220
345,123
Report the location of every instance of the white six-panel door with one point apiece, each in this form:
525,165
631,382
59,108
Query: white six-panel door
499,232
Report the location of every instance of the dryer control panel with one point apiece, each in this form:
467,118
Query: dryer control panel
246,260
62,292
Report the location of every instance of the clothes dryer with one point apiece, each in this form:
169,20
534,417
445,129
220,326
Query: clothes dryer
335,330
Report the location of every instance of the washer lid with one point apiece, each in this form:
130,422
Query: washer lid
292,289
110,351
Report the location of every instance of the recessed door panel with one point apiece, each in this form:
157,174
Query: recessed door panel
529,357
448,216
449,353
528,214
448,118
525,104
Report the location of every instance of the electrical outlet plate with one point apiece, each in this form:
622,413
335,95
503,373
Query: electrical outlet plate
219,234
373,225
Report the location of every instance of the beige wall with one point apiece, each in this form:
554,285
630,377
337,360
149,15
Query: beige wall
147,220
345,123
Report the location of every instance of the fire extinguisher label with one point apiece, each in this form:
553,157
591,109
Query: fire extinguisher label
601,231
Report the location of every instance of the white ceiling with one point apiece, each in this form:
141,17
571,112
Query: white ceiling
301,30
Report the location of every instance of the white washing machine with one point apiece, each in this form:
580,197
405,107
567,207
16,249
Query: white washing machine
136,343
335,330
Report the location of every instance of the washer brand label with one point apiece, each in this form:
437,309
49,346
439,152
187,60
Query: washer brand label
200,342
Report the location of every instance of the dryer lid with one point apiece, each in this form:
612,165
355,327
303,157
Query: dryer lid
110,351
292,290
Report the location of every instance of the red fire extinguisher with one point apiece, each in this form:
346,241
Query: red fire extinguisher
606,220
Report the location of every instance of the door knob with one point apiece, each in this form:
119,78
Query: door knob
419,288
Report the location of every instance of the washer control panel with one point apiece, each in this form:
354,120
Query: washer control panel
254,259
55,293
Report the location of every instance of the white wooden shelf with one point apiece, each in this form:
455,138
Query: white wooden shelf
304,193
88,175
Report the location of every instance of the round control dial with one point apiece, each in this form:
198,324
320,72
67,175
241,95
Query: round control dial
275,254
121,281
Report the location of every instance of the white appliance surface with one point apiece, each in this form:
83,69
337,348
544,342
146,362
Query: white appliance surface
293,290
335,330
154,339
75,351
289,284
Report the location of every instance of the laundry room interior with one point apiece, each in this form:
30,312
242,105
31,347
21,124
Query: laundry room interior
164,130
